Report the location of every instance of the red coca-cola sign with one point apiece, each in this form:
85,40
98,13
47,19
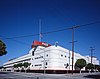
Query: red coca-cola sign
37,43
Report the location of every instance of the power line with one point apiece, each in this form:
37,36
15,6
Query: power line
15,40
21,36
83,25
97,22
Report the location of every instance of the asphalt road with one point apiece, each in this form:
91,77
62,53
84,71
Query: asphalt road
18,75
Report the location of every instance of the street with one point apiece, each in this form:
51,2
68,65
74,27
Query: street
19,75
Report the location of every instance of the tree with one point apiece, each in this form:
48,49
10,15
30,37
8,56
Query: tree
96,67
15,65
90,66
26,64
2,48
1,67
80,63
20,65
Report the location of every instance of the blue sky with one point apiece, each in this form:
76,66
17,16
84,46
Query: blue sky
21,17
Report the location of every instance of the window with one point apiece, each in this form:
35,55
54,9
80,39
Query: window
64,64
65,56
47,55
39,57
61,55
45,67
38,65
33,53
46,63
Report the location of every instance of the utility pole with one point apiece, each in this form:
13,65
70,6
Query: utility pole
91,49
73,46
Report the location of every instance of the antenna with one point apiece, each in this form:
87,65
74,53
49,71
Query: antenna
56,43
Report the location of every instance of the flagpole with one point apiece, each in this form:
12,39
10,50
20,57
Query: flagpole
39,29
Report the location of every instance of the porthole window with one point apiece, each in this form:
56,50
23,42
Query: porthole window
47,55
61,55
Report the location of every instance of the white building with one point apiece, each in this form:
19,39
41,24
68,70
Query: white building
43,56
94,60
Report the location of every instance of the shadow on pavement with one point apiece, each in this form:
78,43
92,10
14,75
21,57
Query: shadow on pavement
93,76
5,72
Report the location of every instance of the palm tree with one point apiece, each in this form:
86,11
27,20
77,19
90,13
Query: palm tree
2,48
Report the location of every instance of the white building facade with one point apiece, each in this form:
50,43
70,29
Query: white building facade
48,58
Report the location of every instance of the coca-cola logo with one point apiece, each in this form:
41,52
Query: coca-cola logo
45,44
